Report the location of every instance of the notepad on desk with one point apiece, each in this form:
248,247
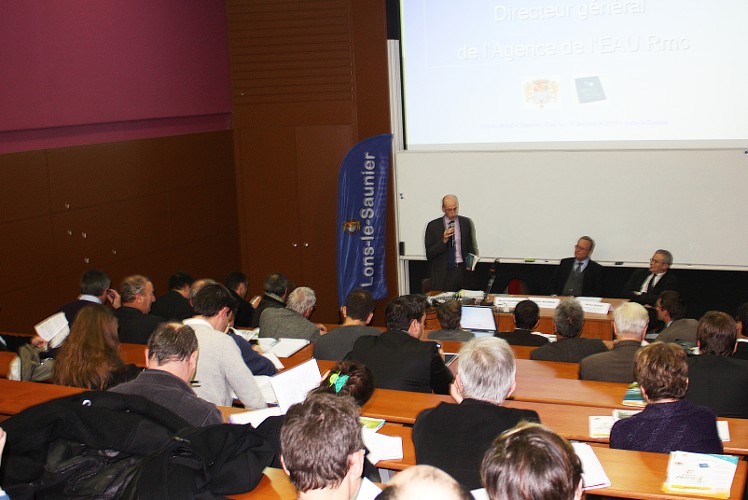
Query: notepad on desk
700,474
282,347
594,475
382,447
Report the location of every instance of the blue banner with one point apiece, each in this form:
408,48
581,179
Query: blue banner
362,215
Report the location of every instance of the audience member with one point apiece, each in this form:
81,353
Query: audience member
255,361
716,379
135,322
174,305
220,368
671,309
630,322
292,322
346,378
276,291
579,276
449,315
645,285
238,285
398,358
531,462
171,360
455,437
669,422
526,318
424,482
568,319
323,450
741,319
89,357
357,313
95,289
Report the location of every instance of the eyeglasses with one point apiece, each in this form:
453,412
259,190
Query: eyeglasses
577,247
655,261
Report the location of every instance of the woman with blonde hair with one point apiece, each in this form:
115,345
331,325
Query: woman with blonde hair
89,357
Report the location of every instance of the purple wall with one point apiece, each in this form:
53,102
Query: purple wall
86,72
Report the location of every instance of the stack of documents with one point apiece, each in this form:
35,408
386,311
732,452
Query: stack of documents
700,474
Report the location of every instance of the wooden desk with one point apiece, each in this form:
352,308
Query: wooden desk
599,326
633,474
567,391
16,396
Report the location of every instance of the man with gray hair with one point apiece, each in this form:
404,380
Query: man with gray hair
135,324
453,437
569,347
645,285
171,358
292,322
579,275
630,322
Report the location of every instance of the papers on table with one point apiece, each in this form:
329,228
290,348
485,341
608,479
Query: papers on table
248,334
368,490
274,359
596,307
700,474
594,475
282,347
292,386
723,430
382,447
54,329
254,417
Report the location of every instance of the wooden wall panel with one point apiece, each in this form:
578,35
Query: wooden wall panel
152,206
23,173
309,79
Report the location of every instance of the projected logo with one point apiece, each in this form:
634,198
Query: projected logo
541,93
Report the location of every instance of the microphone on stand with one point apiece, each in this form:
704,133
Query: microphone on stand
491,279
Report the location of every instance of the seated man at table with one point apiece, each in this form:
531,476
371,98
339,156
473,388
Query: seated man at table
531,462
716,379
526,318
135,323
171,361
568,319
630,322
174,305
323,449
579,276
292,322
220,368
276,289
357,313
671,309
398,358
449,315
453,437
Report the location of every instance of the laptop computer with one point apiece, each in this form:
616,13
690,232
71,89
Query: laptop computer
478,319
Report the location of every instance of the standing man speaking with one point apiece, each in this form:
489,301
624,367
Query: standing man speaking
449,240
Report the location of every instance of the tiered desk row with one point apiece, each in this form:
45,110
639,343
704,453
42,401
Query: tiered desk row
551,389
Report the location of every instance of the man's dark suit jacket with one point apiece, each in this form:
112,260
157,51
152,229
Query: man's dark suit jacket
742,351
719,383
401,362
436,249
616,365
520,336
72,309
593,279
266,302
172,306
568,350
134,326
668,281
454,438
245,313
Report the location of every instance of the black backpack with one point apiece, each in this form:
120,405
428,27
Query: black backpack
110,445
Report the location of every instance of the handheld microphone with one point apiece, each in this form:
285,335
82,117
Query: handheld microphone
452,238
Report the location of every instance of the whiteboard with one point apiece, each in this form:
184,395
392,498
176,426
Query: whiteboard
531,206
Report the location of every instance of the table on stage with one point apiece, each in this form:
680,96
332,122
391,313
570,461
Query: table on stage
598,326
